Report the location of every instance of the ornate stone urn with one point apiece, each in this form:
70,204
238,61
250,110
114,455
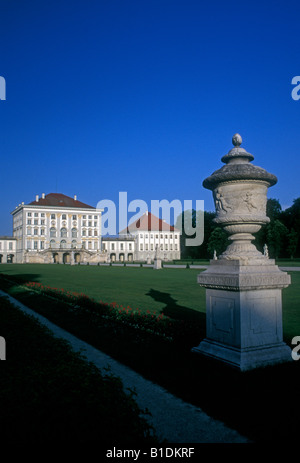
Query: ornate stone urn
240,195
243,286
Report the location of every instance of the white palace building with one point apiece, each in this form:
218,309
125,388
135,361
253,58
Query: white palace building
56,228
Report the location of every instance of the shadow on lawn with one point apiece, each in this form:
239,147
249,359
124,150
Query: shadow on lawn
173,310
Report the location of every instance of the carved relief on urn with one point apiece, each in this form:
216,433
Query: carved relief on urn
240,196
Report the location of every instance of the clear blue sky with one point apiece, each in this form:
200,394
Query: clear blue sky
144,97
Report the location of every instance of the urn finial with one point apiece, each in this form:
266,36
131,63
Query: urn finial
237,140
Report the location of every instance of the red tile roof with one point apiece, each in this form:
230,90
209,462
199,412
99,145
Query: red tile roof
59,200
148,222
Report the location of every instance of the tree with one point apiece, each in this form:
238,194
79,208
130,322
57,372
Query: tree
276,232
218,241
292,243
273,209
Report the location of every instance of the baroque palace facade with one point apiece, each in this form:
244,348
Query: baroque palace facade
56,228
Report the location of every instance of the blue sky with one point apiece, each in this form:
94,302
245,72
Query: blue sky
144,97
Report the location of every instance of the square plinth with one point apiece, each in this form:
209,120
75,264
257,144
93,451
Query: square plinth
244,326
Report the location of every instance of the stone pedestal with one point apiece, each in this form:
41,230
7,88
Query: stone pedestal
157,264
243,286
244,313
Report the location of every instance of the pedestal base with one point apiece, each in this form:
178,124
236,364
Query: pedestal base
157,264
244,313
245,359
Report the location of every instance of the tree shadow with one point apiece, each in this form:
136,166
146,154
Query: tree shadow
174,310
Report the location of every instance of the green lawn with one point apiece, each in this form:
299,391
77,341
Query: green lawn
174,292
263,404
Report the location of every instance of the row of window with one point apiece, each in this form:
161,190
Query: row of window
156,236
42,222
112,246
10,246
40,245
63,232
162,247
63,216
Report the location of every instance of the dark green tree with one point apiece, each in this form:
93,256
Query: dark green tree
292,243
276,233
218,241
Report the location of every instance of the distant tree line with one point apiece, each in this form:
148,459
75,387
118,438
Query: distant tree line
281,234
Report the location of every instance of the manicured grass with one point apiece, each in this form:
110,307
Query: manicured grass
51,395
174,292
262,404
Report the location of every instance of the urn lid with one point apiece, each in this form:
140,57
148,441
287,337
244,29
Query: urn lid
238,168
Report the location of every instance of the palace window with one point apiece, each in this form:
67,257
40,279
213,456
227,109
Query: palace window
90,233
42,231
10,246
74,232
74,243
90,245
141,247
36,214
42,244
74,217
52,243
64,217
121,246
63,232
90,223
29,222
83,232
112,246
28,231
35,231
52,232
84,223
130,246
95,233
35,245
36,222
63,244
28,214
52,216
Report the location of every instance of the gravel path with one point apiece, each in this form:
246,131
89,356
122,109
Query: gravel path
173,419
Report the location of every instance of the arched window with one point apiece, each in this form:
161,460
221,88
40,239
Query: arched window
63,232
95,233
74,243
90,232
52,244
83,232
63,244
52,232
74,232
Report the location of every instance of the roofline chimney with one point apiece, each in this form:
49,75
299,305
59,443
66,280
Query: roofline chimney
37,198
43,195
75,197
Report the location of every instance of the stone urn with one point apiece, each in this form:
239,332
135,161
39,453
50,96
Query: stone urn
243,286
240,195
